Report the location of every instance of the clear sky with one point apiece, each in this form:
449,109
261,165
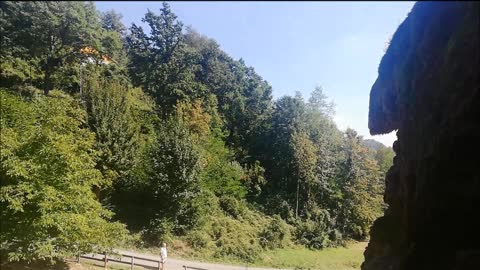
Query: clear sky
298,45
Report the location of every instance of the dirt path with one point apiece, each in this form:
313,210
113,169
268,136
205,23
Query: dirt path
177,264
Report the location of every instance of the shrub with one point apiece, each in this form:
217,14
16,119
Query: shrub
317,231
336,238
311,234
235,239
232,206
159,230
198,239
230,229
276,234
277,205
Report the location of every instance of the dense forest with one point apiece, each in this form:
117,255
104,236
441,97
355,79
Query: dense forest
113,134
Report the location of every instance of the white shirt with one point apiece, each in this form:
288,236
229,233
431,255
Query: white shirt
163,252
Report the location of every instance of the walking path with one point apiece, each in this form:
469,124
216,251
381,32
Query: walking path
177,264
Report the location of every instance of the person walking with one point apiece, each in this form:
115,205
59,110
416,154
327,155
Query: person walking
163,255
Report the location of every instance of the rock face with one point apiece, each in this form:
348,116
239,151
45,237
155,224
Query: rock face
428,89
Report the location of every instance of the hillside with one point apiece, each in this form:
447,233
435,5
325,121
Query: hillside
372,144
115,136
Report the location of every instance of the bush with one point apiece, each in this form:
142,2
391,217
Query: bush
336,238
159,230
317,231
240,248
235,239
311,234
277,205
276,234
231,230
134,240
232,206
198,239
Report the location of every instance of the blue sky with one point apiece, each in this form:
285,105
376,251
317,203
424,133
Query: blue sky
298,45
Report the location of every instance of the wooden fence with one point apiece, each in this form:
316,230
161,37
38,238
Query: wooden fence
131,260
191,267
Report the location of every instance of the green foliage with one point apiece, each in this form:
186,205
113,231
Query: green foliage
47,172
304,154
161,62
112,21
222,174
231,229
317,231
244,98
286,120
158,230
362,188
384,157
173,169
304,165
115,114
254,179
43,42
53,33
183,140
276,234
199,239
231,206
166,182
236,237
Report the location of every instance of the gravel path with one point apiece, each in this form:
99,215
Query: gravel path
177,264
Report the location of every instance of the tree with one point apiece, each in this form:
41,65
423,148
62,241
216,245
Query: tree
116,119
222,174
112,21
177,127
327,139
286,120
161,63
304,145
305,160
52,34
318,101
174,172
362,188
47,171
384,157
244,98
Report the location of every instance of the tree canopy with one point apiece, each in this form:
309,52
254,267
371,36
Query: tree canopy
109,129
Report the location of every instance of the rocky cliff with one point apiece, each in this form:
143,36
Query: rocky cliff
428,90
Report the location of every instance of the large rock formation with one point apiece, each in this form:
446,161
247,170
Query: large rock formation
428,89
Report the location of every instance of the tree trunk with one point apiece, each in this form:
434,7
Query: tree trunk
47,83
296,205
97,191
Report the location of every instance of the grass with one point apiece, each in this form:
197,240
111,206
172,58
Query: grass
349,258
297,257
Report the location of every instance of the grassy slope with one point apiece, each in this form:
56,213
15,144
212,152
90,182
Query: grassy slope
328,259
297,257
349,258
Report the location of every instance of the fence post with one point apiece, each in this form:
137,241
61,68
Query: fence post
184,267
160,264
106,260
133,262
78,257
